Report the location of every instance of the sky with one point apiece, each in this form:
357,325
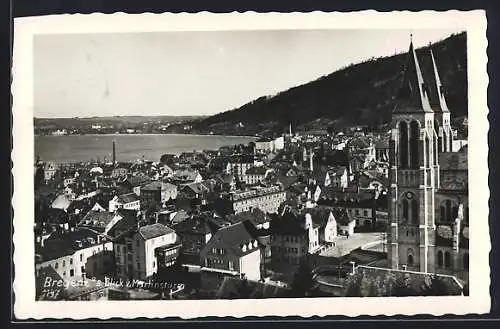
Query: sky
194,73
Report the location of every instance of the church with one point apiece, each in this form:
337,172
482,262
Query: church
428,194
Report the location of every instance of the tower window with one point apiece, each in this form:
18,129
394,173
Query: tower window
403,145
410,257
414,139
447,259
440,258
405,210
414,211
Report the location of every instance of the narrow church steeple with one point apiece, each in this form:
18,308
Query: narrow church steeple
413,95
439,87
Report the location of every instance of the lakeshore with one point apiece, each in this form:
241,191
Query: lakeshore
130,147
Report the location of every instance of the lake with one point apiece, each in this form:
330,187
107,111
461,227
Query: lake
76,148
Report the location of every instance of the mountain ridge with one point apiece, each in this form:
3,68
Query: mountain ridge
358,94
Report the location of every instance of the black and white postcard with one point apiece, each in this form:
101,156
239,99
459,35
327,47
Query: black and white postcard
250,164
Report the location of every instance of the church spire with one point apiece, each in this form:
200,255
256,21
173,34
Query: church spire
439,86
413,95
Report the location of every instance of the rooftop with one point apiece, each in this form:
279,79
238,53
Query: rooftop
154,230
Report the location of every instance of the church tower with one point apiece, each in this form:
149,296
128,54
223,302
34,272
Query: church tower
412,175
441,111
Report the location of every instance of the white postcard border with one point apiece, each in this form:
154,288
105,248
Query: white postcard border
25,307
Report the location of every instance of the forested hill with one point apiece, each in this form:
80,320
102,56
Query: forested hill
358,94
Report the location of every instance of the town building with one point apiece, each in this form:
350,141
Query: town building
255,175
135,183
267,199
75,255
238,165
232,250
125,201
293,236
49,171
158,192
135,252
429,183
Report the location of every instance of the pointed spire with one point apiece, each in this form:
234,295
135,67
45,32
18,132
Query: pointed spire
413,94
439,86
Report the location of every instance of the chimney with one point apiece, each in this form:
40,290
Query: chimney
114,152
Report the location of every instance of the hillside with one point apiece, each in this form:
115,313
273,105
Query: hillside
360,94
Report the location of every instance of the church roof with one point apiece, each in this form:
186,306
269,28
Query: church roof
413,94
453,161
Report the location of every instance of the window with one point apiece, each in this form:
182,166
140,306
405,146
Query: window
71,272
414,139
83,269
365,213
403,144
154,264
63,263
71,261
64,273
81,257
410,257
56,266
440,258
414,211
466,261
447,259
442,210
405,210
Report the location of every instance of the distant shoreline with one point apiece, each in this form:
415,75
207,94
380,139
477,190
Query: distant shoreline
151,134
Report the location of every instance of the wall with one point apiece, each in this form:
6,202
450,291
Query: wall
75,263
250,265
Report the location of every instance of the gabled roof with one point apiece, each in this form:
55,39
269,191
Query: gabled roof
413,94
233,238
98,220
154,230
127,198
138,180
256,170
61,202
200,224
255,215
60,244
197,188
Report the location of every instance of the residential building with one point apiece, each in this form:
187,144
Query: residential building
194,233
100,222
49,171
158,192
232,250
125,201
267,199
135,183
293,236
238,165
76,254
135,252
255,175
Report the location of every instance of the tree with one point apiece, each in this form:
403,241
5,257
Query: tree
303,280
354,285
436,287
402,287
